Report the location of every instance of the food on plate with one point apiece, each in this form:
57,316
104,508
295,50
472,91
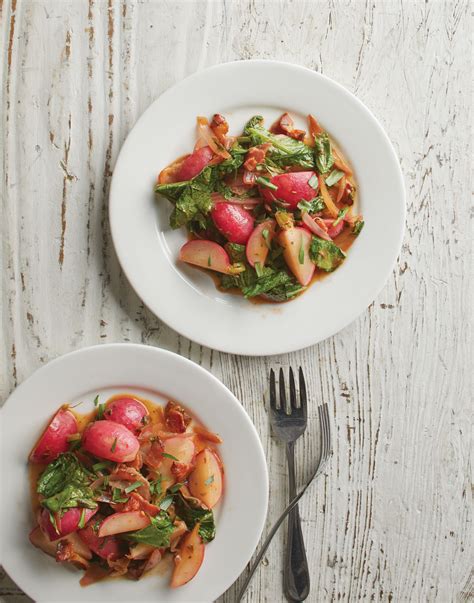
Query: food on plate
118,490
267,211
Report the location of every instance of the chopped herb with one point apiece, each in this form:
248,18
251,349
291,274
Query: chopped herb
117,496
334,177
133,487
170,456
266,238
341,215
209,261
114,445
209,480
166,502
301,253
313,182
82,520
358,226
156,487
176,488
52,519
100,411
313,206
101,466
258,269
266,182
96,400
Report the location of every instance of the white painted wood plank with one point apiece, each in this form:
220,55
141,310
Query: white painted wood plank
391,520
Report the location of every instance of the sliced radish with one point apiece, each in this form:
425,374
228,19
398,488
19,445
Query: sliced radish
205,482
108,547
54,439
292,188
257,245
180,450
118,523
194,164
188,558
233,221
206,254
66,524
296,243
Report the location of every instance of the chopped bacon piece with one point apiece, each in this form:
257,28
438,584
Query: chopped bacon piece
153,452
181,470
286,125
256,155
119,566
127,474
65,552
314,127
136,502
176,417
220,127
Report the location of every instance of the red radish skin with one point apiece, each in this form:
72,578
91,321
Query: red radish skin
333,231
195,163
293,241
128,412
188,559
66,524
54,439
107,547
233,221
291,188
111,441
257,248
206,254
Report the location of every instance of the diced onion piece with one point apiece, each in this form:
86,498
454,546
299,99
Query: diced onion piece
205,133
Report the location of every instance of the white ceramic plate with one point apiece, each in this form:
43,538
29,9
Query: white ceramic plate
186,298
157,375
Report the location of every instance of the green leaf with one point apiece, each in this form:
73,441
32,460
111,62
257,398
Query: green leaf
100,412
166,502
191,512
236,252
171,191
285,150
325,254
269,280
157,534
358,226
96,400
69,497
323,153
313,206
65,470
334,177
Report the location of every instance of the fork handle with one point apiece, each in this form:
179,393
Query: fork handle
296,581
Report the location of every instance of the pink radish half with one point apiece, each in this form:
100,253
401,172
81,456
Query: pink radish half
233,221
53,441
292,188
66,524
194,164
257,246
206,254
296,243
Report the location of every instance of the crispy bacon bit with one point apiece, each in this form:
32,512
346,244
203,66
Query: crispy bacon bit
136,502
176,417
314,127
127,474
119,566
256,155
137,462
153,452
181,470
93,574
286,125
65,552
220,127
207,435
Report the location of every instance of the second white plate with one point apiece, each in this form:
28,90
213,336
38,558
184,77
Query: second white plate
185,298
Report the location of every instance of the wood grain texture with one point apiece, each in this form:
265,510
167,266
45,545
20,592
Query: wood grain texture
391,520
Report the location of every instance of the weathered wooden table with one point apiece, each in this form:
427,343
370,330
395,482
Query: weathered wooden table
391,519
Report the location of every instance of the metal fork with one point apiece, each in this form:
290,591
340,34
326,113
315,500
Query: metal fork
324,454
288,424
